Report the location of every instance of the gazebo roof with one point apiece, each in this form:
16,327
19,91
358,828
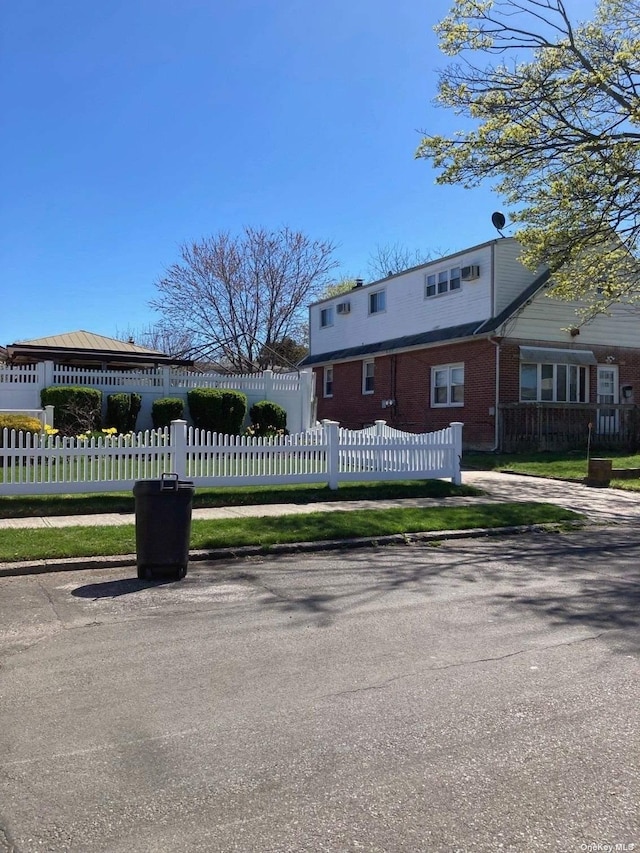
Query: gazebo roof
87,347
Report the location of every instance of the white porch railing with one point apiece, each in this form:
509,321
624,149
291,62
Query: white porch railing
49,465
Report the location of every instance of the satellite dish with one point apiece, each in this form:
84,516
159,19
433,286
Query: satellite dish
498,221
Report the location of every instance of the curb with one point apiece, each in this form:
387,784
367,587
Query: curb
72,564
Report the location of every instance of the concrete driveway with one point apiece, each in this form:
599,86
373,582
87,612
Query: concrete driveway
604,506
479,696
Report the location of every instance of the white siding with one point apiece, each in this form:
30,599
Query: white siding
511,278
407,312
547,319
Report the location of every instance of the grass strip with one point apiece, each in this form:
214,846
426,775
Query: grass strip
571,465
32,544
18,506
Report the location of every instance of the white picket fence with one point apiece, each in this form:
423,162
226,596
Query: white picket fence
31,465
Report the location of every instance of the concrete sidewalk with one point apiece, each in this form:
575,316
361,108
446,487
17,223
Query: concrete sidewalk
600,506
252,510
603,506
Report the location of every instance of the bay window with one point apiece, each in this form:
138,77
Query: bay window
554,383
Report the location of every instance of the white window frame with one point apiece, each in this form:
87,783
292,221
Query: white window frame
555,379
326,313
450,384
441,282
327,381
368,377
382,292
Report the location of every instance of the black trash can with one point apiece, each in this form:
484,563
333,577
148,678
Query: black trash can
163,526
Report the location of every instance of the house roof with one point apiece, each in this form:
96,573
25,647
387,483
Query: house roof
405,342
423,266
478,328
86,346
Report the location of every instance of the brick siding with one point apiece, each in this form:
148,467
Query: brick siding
406,378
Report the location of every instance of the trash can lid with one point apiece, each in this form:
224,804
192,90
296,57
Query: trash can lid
166,484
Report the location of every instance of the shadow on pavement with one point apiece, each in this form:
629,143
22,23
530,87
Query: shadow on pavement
592,579
114,589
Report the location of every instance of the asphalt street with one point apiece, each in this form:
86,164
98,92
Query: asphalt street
482,695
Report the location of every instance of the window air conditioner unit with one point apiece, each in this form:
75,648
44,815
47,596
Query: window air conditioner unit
470,273
343,307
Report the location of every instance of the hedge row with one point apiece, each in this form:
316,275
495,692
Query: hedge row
78,409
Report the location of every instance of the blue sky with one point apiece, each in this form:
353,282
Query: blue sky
132,126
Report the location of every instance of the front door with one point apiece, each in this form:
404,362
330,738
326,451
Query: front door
607,396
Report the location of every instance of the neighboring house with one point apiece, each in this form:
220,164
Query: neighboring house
87,349
475,337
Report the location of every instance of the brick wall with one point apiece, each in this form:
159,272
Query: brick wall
406,379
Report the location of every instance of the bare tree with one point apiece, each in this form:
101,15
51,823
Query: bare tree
161,337
392,258
235,295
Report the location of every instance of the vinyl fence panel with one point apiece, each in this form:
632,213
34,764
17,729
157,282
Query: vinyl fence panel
44,464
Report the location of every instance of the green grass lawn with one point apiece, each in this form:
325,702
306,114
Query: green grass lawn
88,504
31,544
565,466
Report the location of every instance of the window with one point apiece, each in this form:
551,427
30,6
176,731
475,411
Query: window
326,317
554,383
442,282
328,382
447,385
368,371
377,302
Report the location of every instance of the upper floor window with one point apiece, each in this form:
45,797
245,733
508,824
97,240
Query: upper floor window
368,374
554,383
328,382
326,317
447,385
377,301
442,282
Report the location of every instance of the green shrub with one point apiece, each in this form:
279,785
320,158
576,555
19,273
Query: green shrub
268,418
122,411
76,409
166,409
218,410
22,423
134,411
118,406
